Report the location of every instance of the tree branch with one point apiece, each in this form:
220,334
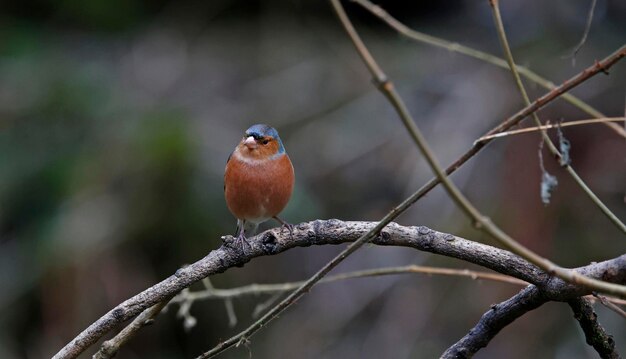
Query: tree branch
530,298
325,232
595,334
548,125
610,303
498,317
110,348
257,289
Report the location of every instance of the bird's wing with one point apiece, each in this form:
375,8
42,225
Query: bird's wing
228,160
229,156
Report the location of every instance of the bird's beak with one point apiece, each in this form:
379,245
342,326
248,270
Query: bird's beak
250,142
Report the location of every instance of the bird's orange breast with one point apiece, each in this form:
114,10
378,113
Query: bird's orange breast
257,190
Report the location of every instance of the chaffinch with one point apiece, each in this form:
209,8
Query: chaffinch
258,180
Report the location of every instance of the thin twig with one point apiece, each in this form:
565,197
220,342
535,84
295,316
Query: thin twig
585,33
261,307
110,348
257,289
230,311
610,304
188,298
613,300
548,126
483,56
209,288
518,81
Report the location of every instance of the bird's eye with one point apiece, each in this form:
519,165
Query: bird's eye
265,141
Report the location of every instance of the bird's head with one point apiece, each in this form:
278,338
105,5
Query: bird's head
261,141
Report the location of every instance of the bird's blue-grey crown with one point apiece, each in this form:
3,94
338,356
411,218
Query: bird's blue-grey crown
263,130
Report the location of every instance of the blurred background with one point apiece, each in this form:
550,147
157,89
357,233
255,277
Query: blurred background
116,119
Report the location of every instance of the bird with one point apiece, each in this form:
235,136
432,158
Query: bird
258,180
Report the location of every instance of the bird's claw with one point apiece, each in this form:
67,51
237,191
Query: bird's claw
241,241
288,226
284,225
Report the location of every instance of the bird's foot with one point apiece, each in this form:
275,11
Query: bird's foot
241,241
287,226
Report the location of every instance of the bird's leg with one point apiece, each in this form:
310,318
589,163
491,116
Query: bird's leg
241,237
284,225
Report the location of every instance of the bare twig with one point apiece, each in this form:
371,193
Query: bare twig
518,81
549,126
257,289
188,297
585,33
227,294
230,311
261,307
611,304
110,348
595,334
611,299
184,312
483,56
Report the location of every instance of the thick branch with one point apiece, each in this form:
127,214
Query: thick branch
323,232
530,298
